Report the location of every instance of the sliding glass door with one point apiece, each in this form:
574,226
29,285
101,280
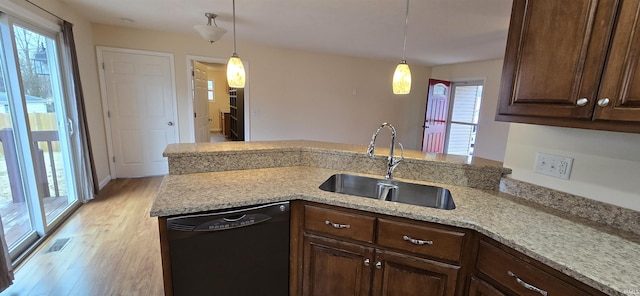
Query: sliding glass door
36,172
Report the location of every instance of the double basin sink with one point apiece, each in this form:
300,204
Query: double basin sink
390,190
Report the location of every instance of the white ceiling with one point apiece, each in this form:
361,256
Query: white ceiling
440,31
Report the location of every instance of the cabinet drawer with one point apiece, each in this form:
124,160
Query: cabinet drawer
520,276
421,239
338,223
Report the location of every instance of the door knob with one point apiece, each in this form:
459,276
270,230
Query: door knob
170,123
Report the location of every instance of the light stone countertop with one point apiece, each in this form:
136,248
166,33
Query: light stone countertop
604,261
200,149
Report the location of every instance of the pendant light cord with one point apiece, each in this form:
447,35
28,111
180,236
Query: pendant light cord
234,27
406,22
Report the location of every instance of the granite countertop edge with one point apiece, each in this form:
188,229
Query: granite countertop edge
558,242
239,148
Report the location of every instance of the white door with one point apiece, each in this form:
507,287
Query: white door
201,102
140,98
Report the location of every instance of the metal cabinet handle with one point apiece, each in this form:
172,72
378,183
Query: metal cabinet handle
603,102
379,265
336,225
527,285
170,123
367,262
582,102
418,242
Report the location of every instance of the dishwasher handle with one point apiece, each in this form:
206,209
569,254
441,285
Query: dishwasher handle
228,219
232,223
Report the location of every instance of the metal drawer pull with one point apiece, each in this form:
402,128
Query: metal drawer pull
418,242
367,262
336,225
526,285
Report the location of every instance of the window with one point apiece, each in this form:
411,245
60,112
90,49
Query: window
210,91
465,112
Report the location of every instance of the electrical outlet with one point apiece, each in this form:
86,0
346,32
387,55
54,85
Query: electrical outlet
553,165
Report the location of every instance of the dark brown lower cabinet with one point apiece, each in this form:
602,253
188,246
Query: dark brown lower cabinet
478,287
343,252
341,255
333,267
405,275
514,273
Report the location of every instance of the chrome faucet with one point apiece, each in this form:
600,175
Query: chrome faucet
392,160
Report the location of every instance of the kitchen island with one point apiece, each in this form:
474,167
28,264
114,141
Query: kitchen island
206,177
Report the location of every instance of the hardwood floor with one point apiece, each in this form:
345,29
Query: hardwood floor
114,248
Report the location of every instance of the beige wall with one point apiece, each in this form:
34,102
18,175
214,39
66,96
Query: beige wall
83,35
294,94
221,98
606,165
492,135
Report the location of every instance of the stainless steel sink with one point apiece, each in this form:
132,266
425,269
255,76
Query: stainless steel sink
390,190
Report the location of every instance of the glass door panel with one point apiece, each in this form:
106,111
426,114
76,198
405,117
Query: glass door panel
14,204
41,81
37,186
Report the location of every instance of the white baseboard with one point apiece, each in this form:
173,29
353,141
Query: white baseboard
104,182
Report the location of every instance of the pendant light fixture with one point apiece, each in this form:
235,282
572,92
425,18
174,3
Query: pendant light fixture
235,68
209,32
402,75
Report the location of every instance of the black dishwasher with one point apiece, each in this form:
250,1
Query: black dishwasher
242,251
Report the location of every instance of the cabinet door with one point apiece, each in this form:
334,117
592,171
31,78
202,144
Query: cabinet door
481,288
554,57
402,275
620,85
332,267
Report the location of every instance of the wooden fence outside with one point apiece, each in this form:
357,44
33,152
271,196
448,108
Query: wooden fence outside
38,122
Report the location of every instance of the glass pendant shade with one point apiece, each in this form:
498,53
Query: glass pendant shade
210,33
235,72
402,79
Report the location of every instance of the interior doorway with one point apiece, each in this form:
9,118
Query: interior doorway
210,99
216,108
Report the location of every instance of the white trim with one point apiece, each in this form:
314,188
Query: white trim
104,182
29,16
105,105
247,118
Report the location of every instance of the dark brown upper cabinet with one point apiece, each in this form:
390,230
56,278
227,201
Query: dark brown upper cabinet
573,64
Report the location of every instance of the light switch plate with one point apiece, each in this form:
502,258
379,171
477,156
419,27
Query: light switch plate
553,165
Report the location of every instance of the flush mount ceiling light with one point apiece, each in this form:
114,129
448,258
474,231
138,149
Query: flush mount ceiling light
209,32
402,75
235,68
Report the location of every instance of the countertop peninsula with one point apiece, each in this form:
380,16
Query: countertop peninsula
213,176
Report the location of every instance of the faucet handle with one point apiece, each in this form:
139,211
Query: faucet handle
401,151
396,161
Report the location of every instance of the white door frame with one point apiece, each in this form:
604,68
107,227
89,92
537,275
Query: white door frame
105,104
247,117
